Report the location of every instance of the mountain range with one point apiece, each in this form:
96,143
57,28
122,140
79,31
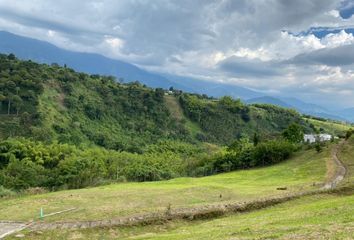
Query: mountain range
44,52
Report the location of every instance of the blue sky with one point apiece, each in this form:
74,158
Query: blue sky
298,48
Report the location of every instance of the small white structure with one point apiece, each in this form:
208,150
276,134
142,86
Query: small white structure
325,137
309,138
312,138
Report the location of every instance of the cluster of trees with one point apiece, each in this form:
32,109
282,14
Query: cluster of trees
244,154
20,86
53,103
25,164
349,133
225,119
83,130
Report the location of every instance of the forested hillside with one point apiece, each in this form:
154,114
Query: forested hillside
51,103
64,129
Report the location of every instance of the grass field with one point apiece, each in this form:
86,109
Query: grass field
111,201
324,216
330,127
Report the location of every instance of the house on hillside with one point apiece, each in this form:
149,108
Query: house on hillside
312,138
309,138
325,137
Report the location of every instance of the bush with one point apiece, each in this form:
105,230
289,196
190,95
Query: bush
242,154
4,192
272,152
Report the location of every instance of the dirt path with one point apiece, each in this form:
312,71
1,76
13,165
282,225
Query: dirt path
7,228
338,171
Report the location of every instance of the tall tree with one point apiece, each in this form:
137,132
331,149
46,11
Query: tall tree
294,133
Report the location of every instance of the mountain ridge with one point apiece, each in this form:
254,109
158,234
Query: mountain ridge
92,63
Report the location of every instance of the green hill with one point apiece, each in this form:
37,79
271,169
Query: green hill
52,103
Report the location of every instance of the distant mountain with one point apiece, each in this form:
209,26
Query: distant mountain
303,107
44,52
213,89
40,51
269,100
348,113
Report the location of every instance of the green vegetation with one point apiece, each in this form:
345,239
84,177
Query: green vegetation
27,164
117,200
62,130
242,155
84,130
328,126
51,103
294,133
225,120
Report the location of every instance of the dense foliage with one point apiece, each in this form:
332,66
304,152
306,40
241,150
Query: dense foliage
226,119
25,163
243,154
64,129
53,103
294,133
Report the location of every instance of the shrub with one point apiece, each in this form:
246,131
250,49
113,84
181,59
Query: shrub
4,192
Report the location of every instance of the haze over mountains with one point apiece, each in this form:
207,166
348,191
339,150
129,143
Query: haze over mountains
44,52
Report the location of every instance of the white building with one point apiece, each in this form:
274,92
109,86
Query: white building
325,137
309,138
312,138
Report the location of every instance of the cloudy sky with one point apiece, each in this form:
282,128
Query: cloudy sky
300,48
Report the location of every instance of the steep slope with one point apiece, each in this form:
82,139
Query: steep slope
55,103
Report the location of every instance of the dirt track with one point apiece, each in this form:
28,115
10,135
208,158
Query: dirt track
339,171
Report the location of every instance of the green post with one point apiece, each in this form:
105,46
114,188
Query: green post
41,214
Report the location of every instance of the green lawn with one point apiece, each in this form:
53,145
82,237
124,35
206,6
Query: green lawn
323,216
111,201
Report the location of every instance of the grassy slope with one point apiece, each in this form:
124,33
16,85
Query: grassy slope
326,216
176,111
124,199
330,127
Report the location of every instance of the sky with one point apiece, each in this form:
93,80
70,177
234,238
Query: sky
293,48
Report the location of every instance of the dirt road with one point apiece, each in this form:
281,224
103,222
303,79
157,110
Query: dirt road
339,171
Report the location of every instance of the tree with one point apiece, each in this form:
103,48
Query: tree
2,98
17,103
255,139
294,133
349,133
11,56
9,99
